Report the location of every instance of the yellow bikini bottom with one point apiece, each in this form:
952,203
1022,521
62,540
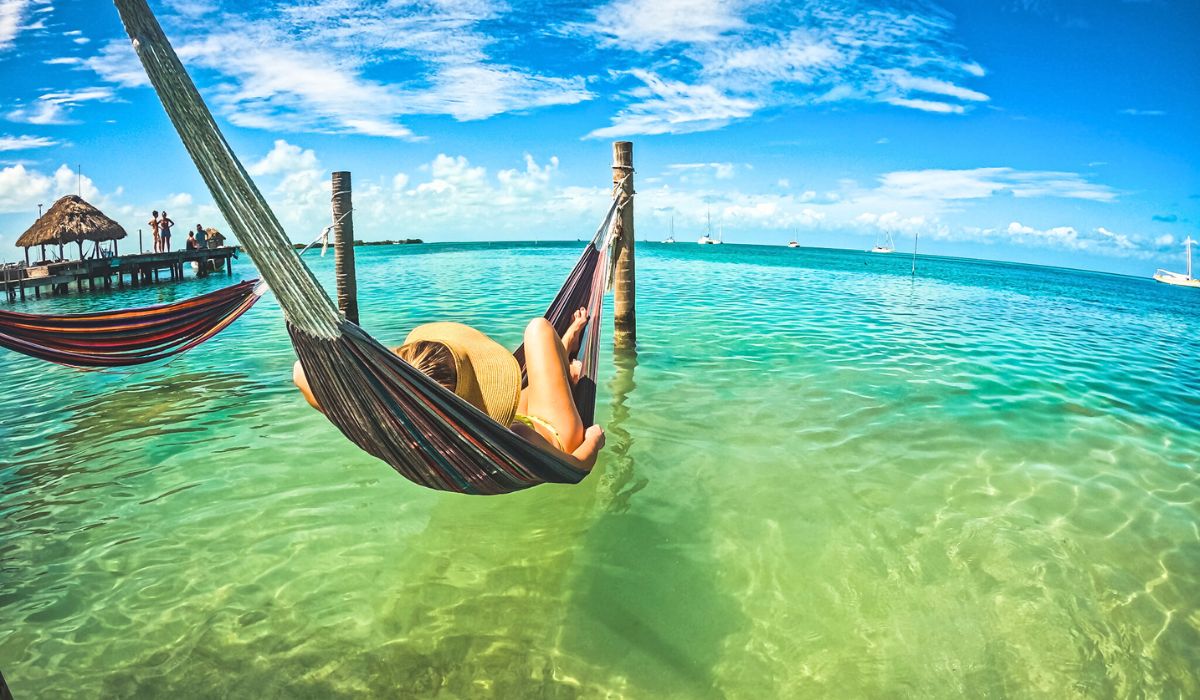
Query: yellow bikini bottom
535,422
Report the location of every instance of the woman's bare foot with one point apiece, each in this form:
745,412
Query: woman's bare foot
573,338
576,369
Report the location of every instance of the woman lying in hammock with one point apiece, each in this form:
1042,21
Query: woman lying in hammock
481,371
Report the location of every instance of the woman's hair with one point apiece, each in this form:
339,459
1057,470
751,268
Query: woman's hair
432,358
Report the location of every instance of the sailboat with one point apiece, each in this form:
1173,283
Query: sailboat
889,246
794,243
671,238
1168,277
707,238
720,233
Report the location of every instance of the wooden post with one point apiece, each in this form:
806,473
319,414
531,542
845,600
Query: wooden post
624,317
140,248
343,247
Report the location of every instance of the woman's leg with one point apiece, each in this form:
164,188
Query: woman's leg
548,394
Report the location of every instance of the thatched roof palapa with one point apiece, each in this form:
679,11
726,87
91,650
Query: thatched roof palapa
71,220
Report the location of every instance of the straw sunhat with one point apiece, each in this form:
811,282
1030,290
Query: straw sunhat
488,375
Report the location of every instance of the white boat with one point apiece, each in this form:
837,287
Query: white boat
888,245
1182,280
671,238
794,243
707,238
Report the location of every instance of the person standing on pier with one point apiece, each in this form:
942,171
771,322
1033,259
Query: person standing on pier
164,232
201,237
153,224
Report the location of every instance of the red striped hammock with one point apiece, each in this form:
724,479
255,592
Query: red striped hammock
382,404
126,337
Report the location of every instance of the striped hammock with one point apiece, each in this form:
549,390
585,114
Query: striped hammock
385,406
127,337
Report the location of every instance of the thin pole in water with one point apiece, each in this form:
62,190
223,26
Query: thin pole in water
916,237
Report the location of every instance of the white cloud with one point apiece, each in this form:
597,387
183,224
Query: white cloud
669,106
1164,240
1059,236
283,158
55,107
721,171
306,67
1120,240
1144,112
447,198
926,105
645,25
907,82
179,200
22,189
20,143
471,92
976,183
755,56
11,14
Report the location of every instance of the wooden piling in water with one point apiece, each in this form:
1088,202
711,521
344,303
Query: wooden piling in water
343,247
624,316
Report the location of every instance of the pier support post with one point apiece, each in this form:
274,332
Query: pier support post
343,247
624,317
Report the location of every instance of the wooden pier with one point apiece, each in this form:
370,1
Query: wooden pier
103,273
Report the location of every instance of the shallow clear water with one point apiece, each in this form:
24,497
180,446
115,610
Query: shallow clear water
824,478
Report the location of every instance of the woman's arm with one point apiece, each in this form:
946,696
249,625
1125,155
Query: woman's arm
584,456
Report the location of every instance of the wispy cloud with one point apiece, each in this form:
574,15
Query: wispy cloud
315,67
1144,112
704,64
11,14
21,143
721,171
646,25
55,107
977,183
669,106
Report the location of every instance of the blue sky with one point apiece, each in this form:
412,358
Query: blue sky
1055,132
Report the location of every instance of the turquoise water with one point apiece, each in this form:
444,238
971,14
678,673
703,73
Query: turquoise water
824,478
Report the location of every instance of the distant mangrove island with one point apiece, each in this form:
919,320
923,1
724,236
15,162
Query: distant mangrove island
405,241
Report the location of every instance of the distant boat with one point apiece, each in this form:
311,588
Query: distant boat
1168,277
794,243
671,238
888,245
707,238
